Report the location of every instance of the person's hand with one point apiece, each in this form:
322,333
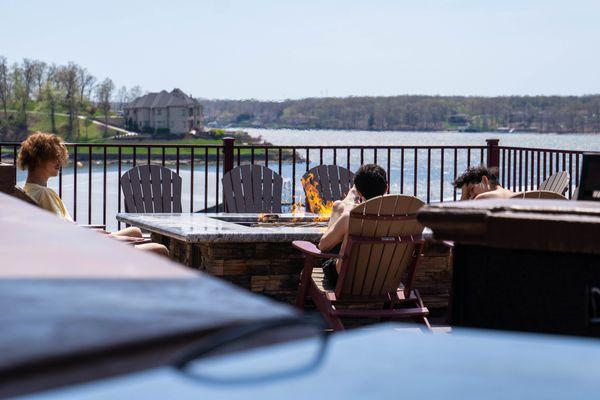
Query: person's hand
358,199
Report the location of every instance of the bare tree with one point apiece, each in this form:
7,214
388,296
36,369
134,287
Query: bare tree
134,92
122,97
5,84
23,79
67,76
52,95
104,93
40,77
86,83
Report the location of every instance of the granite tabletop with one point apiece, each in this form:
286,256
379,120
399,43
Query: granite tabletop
224,227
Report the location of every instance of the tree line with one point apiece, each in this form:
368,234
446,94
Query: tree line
561,114
33,86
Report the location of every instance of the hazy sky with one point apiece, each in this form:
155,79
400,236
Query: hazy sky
277,49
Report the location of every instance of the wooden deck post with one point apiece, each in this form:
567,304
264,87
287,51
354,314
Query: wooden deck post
493,153
228,143
8,178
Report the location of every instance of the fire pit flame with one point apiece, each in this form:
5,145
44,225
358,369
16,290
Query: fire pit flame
314,200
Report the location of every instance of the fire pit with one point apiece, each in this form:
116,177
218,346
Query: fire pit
276,220
251,250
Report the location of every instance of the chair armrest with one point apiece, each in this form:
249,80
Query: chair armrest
448,243
103,227
312,250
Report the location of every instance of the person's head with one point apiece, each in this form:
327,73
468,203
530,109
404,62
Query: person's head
43,153
477,180
371,181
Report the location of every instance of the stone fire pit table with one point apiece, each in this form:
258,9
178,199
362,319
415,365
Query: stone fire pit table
259,256
233,246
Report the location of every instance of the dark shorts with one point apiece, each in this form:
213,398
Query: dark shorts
329,271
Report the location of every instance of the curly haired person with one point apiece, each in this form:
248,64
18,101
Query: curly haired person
43,155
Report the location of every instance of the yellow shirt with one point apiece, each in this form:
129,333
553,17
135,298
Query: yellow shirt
47,199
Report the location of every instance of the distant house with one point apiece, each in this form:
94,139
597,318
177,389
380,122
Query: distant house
460,119
164,112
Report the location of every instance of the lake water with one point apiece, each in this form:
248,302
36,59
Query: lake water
402,177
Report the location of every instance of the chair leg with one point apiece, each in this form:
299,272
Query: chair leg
305,281
325,307
427,324
335,322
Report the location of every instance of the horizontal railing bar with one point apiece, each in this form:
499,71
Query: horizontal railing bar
360,147
542,149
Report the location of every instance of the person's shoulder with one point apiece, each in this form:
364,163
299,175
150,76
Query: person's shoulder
39,193
487,195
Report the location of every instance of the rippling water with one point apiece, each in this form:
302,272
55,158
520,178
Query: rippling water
402,176
590,142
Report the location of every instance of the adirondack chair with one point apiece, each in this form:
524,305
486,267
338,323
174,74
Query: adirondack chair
20,194
151,189
557,183
539,194
378,262
252,189
331,181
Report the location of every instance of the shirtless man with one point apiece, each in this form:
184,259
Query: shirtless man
480,182
369,181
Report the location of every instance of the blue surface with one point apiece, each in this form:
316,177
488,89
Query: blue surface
387,363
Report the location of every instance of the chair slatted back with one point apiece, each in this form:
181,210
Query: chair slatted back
151,189
374,269
252,189
539,194
557,183
332,182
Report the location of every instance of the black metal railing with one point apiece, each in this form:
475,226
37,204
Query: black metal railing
90,186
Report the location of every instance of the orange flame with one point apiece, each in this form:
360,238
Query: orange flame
313,197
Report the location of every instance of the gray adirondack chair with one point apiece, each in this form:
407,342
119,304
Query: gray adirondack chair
151,189
557,183
332,181
252,189
378,260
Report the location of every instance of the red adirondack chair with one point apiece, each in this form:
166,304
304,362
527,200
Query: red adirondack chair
252,189
378,261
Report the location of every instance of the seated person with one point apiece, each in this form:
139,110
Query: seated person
370,181
481,182
43,154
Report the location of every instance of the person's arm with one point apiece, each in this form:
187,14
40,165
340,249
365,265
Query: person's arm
335,233
336,211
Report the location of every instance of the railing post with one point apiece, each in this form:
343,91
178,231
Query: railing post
493,153
228,143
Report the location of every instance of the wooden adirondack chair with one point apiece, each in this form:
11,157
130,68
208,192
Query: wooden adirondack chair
557,183
151,189
252,189
378,262
20,194
332,182
539,194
